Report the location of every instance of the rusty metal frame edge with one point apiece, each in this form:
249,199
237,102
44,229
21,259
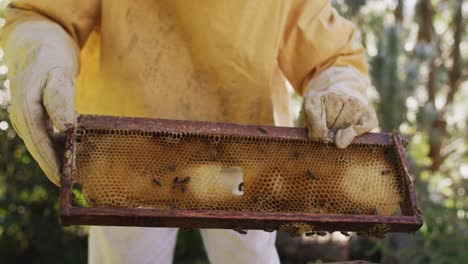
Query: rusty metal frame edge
70,215
212,128
227,219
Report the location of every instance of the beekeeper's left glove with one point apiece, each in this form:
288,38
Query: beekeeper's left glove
335,101
42,62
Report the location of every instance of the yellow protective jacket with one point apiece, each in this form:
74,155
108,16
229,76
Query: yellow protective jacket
211,60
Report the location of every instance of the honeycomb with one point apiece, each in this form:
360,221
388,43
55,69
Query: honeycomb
140,169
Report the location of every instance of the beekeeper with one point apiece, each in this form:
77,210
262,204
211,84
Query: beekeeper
210,60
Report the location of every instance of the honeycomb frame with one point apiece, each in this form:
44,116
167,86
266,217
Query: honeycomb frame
265,215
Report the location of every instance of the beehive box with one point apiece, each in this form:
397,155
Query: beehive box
168,173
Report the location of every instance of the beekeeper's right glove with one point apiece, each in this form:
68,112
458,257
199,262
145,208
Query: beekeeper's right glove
42,62
336,100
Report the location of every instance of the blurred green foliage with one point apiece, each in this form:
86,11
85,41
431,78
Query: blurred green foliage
413,57
415,61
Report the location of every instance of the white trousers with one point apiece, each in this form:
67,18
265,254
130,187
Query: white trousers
115,245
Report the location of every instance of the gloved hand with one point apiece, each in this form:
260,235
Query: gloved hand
42,61
335,102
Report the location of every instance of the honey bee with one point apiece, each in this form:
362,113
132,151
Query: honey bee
240,230
175,182
292,230
269,229
310,174
185,180
321,233
157,182
344,233
310,233
262,130
385,172
182,184
172,167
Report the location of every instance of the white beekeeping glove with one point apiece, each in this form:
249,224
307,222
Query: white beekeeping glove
43,61
336,101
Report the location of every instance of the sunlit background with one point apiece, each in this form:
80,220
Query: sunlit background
418,52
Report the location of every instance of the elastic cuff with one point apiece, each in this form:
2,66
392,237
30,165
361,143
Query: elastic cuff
347,77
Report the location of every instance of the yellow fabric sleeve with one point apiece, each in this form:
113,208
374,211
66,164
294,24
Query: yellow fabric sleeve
316,38
78,18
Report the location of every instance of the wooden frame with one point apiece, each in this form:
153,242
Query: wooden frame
410,220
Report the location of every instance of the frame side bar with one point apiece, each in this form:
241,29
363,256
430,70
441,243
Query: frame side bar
410,190
67,173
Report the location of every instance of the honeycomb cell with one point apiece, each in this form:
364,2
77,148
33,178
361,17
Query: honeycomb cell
136,169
